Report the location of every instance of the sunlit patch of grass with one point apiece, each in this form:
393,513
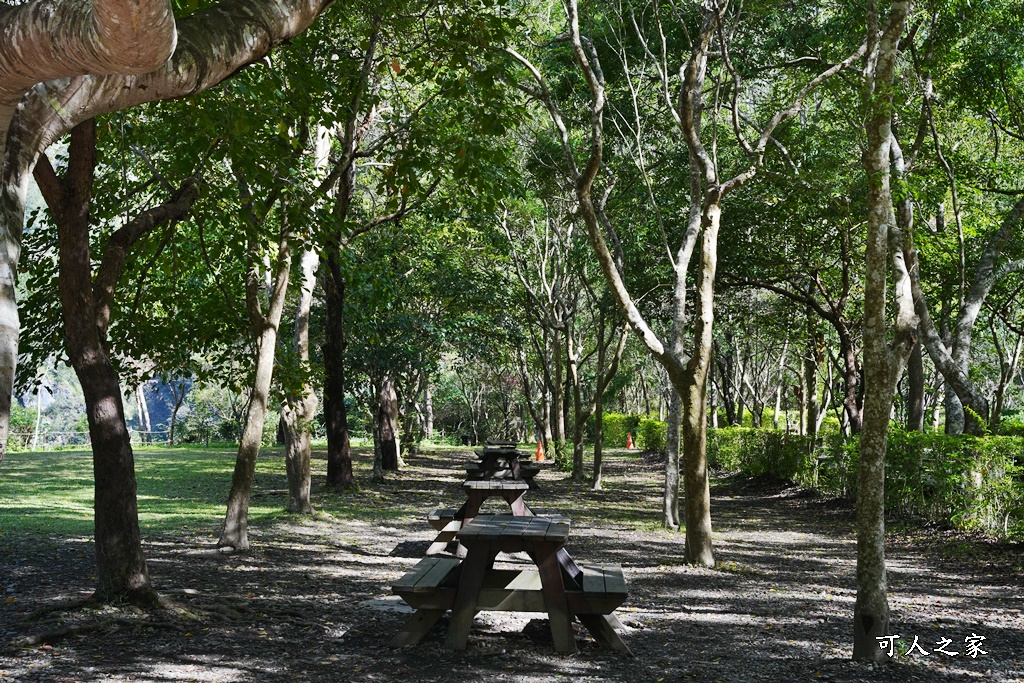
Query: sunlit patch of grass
51,493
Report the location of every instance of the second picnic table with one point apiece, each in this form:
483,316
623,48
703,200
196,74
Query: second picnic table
448,521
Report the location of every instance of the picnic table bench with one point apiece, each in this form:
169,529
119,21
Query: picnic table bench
558,586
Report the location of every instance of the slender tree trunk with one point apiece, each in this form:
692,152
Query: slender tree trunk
696,485
646,394
851,384
236,521
812,359
882,364
1008,362
235,534
297,412
144,420
179,398
579,415
39,417
595,482
670,500
428,408
387,425
557,391
915,390
339,447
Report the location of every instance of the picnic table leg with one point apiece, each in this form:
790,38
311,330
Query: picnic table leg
471,508
553,589
446,536
417,627
464,609
519,508
600,627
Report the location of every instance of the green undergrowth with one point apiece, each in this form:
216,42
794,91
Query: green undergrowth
969,483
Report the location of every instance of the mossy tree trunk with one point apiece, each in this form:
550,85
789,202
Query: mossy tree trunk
883,363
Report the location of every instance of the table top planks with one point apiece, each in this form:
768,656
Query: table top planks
485,528
496,485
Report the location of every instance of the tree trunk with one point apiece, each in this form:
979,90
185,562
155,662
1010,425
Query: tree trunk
339,447
670,500
265,329
1008,362
387,425
882,364
179,398
557,392
39,418
235,532
915,390
297,412
86,306
121,566
812,359
724,363
696,486
144,420
428,408
851,384
579,415
595,482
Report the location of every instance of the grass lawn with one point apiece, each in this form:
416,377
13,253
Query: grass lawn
51,493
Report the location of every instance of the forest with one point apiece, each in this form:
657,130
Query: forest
771,246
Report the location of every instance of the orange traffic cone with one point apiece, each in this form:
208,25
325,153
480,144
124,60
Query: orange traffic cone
540,451
629,441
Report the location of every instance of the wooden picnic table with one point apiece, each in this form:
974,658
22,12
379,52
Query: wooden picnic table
540,537
558,586
449,521
502,462
494,460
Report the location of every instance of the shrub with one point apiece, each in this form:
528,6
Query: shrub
760,452
651,435
971,483
616,427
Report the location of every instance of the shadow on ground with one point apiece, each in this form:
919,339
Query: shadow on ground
311,602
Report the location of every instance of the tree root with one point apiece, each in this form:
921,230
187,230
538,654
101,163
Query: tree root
111,624
68,606
50,637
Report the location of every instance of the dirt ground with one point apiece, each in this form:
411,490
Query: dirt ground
312,601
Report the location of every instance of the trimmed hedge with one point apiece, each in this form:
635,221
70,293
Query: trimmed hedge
972,483
617,426
651,435
648,434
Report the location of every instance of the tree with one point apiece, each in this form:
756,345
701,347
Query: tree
883,363
87,301
264,327
81,60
